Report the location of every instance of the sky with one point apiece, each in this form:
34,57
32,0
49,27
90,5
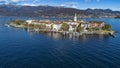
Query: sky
79,4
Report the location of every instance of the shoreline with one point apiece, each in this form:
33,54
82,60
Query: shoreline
57,17
97,32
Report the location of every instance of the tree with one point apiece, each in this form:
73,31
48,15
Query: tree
80,28
19,22
107,27
52,27
65,27
31,25
25,24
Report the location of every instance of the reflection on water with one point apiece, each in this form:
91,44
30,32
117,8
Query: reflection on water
71,37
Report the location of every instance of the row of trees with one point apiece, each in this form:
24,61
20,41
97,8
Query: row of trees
19,22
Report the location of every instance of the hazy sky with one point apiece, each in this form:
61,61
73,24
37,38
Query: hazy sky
81,4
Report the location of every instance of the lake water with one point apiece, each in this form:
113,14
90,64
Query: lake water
22,49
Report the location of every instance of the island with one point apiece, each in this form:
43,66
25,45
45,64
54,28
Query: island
75,27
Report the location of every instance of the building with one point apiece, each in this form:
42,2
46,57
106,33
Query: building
29,21
56,27
73,24
96,24
75,18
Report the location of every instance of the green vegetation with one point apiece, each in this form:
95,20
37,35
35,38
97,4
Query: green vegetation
65,27
52,27
89,29
83,28
80,28
25,24
31,25
20,22
107,27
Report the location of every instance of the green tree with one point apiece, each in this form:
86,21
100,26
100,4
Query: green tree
52,27
80,28
107,27
19,22
65,27
31,25
25,24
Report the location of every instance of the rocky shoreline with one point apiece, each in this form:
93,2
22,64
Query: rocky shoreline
97,32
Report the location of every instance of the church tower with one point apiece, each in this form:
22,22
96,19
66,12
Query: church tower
75,18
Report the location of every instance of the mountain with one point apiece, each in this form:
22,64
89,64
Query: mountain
54,11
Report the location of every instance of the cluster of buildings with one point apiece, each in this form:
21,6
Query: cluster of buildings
73,24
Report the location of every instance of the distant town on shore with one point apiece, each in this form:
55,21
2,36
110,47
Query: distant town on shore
55,12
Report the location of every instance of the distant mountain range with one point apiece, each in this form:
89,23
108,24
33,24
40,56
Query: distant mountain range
54,11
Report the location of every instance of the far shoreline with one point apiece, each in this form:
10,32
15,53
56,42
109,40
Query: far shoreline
57,17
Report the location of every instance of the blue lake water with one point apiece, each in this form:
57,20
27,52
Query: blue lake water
22,49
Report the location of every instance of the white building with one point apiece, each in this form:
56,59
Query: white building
73,24
57,27
72,28
75,18
48,26
29,21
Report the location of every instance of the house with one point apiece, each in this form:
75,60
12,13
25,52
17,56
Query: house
96,24
57,25
72,27
48,26
29,21
85,25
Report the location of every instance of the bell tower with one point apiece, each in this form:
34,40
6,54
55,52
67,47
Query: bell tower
75,18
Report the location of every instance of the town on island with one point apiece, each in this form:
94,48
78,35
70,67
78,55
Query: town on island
75,27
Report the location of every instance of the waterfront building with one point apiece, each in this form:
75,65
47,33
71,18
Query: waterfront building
29,21
96,24
48,26
72,27
56,27
73,24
